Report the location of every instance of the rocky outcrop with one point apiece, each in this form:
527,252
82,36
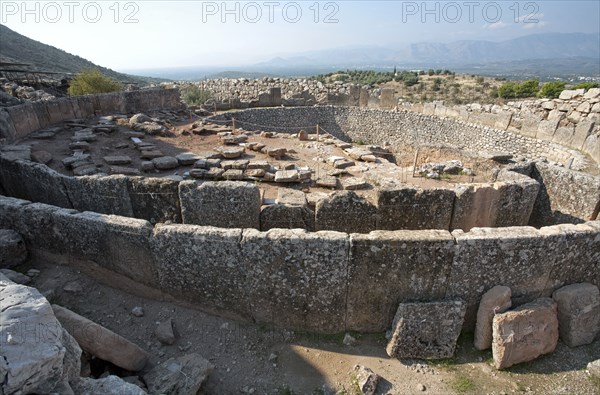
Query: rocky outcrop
29,364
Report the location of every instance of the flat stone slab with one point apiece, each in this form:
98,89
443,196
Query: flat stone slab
291,197
426,330
165,163
287,176
343,164
240,164
233,175
128,171
153,154
259,164
43,134
354,184
187,159
327,182
231,152
578,313
525,333
117,160
85,170
276,152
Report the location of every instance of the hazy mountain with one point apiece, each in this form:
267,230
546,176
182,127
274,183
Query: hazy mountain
550,47
16,48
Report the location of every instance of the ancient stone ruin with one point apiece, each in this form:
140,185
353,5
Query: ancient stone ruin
323,218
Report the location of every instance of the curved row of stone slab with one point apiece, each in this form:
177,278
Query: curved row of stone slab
320,281
19,121
541,195
397,128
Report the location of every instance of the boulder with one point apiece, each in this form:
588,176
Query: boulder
139,118
13,251
578,313
366,380
111,385
101,342
165,163
164,332
183,376
426,330
28,365
525,333
15,277
495,301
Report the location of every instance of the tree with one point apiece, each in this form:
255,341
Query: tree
193,95
93,81
528,88
508,90
552,89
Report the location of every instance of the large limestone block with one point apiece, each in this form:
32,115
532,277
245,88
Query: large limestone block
525,333
426,330
27,364
495,301
297,279
578,313
226,204
388,267
287,217
100,194
415,209
345,211
203,265
155,199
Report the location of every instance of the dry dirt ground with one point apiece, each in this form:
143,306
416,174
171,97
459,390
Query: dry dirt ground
251,358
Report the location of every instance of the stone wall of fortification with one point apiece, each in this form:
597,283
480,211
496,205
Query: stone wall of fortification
19,121
323,281
572,120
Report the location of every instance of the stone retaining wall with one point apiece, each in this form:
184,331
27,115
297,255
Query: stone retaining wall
18,121
323,281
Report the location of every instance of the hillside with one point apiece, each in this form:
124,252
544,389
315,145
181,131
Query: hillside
17,48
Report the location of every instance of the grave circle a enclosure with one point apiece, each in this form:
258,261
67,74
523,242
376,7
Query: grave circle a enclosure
324,280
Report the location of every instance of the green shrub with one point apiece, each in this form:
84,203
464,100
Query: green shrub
552,89
93,81
586,85
193,95
513,90
508,90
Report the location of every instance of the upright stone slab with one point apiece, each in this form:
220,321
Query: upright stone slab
387,268
578,313
155,199
226,204
297,279
345,211
414,209
495,301
100,194
286,216
525,333
203,265
426,330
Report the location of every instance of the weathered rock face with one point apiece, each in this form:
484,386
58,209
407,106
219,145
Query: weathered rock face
226,204
184,375
12,249
525,333
495,301
103,343
28,365
594,368
346,212
403,266
426,330
286,216
578,313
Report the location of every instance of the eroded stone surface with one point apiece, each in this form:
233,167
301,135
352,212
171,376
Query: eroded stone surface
495,301
578,313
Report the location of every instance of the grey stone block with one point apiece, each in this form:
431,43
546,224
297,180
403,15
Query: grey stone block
100,194
155,199
226,204
412,208
578,313
13,251
286,216
289,283
203,265
426,330
387,268
345,211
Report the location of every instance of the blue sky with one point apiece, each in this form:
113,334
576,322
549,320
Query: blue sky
126,35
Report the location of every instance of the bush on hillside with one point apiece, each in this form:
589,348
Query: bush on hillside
551,90
93,81
193,95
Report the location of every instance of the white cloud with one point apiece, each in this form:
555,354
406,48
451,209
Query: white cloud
496,25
